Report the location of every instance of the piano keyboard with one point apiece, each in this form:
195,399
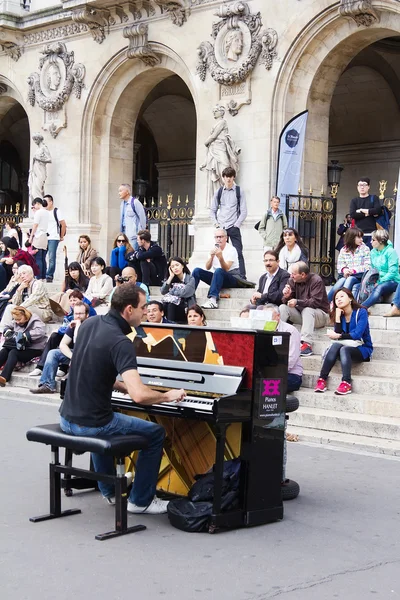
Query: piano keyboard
189,402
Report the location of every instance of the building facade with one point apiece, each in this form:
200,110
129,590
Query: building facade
126,91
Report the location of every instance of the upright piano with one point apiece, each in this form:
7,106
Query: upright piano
231,377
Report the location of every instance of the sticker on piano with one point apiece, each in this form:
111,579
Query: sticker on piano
277,340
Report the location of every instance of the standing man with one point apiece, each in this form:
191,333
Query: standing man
102,351
133,216
228,211
272,224
38,236
365,209
56,233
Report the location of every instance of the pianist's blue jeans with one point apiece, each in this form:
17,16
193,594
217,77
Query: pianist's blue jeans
148,463
217,280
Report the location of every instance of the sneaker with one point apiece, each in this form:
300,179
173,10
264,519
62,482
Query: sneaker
60,373
343,389
210,303
43,389
110,500
49,279
36,372
306,349
156,507
321,385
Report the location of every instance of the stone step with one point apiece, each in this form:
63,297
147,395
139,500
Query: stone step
373,426
13,392
374,368
379,336
354,403
381,351
22,379
347,441
381,386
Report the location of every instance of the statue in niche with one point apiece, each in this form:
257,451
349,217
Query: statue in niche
53,77
233,44
38,172
222,152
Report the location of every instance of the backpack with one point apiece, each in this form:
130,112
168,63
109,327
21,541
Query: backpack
368,282
219,194
58,222
135,212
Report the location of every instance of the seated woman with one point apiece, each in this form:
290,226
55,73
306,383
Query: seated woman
178,290
86,254
10,289
121,250
351,340
100,286
383,258
196,316
11,230
75,278
291,249
32,294
24,339
354,259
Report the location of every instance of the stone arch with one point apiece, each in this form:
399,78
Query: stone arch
109,120
310,71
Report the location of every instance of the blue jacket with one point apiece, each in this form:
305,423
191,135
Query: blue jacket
357,329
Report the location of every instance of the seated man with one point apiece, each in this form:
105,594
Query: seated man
55,338
149,260
295,369
222,269
62,355
129,275
305,301
271,284
155,312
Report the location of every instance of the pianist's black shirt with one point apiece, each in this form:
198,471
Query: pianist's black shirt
101,351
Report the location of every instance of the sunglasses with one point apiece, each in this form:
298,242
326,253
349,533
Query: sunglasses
120,241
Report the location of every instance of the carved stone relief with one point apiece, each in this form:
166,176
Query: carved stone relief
98,20
10,43
360,11
3,88
138,44
58,77
178,10
239,41
52,34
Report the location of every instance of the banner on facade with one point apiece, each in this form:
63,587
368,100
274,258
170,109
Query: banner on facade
290,157
397,219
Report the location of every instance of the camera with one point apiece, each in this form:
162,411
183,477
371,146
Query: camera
121,279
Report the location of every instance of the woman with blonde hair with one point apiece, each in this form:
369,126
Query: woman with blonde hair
24,339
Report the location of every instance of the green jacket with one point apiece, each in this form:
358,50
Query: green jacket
271,229
387,263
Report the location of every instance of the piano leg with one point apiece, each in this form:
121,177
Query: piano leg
220,434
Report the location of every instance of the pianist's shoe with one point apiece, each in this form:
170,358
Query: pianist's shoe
156,507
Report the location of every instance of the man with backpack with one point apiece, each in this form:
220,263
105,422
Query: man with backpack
133,216
228,211
56,232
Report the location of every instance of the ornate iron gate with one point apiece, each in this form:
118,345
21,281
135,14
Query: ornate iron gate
170,223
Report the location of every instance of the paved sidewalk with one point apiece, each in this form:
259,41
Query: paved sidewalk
339,539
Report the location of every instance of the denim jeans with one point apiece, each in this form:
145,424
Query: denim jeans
380,290
52,246
235,238
217,280
148,463
350,283
54,358
396,298
293,382
40,258
346,354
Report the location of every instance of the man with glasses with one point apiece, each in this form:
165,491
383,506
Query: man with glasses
365,209
222,269
129,275
132,214
271,284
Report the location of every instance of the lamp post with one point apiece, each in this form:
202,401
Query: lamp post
140,187
334,175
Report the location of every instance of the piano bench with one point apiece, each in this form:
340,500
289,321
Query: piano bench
118,446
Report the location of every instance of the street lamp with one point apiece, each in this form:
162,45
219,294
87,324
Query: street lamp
140,187
334,175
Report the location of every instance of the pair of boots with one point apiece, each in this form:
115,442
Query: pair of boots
394,312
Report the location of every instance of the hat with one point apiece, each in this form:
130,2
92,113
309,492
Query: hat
10,243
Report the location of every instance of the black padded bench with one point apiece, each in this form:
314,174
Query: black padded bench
118,446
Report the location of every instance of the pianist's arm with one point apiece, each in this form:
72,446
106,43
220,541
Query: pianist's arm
142,394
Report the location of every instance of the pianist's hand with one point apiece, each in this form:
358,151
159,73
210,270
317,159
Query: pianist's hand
174,396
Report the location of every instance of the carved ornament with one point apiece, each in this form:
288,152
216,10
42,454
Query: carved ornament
138,44
178,10
239,41
3,88
360,11
11,49
135,7
47,35
98,20
58,77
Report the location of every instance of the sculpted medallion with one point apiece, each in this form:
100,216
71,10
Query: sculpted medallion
58,77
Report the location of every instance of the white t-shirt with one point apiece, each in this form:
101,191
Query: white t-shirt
52,229
41,217
229,254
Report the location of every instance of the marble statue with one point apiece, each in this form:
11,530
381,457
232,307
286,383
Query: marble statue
233,44
38,172
222,152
